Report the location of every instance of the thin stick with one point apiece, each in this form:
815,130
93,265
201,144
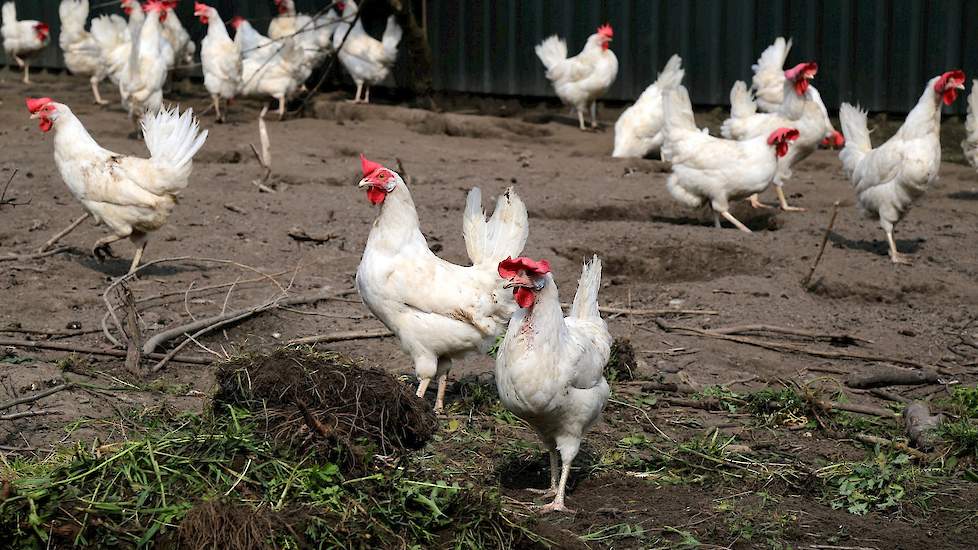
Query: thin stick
95,351
61,235
785,330
25,414
821,249
342,336
782,347
875,440
34,256
216,321
626,311
35,397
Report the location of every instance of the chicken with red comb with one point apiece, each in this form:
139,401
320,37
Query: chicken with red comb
220,58
22,39
581,80
889,178
439,311
549,368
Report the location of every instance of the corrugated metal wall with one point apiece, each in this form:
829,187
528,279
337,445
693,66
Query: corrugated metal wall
875,52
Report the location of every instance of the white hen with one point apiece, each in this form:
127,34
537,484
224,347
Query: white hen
802,109
438,310
549,369
268,68
890,177
713,171
177,37
220,58
367,59
638,131
22,39
113,34
81,52
141,86
132,196
970,144
580,80
768,81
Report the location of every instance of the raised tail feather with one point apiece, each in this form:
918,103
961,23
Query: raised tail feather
173,139
488,242
741,106
73,14
970,143
391,38
672,74
769,74
585,304
9,13
853,120
677,110
551,51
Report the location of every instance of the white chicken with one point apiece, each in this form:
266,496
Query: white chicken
970,144
580,80
268,68
889,178
438,310
769,89
549,369
638,131
801,109
220,58
113,34
141,85
177,37
367,59
81,52
22,39
714,171
313,34
132,196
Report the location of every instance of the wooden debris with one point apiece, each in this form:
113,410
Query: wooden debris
821,249
921,425
891,376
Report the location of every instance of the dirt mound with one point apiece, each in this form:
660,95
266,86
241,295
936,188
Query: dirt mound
325,403
621,365
473,127
872,293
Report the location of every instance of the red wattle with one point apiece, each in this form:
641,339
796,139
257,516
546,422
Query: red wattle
376,195
801,86
782,148
950,95
45,124
524,297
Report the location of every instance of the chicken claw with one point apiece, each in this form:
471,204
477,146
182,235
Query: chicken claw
102,252
784,202
755,202
556,507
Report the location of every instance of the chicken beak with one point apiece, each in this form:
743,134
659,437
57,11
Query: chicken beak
518,281
364,183
35,116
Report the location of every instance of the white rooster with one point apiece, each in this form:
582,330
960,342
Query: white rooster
132,196
367,59
220,57
113,34
580,80
22,39
81,52
713,171
549,369
268,68
970,143
638,131
438,310
890,177
177,37
141,85
801,109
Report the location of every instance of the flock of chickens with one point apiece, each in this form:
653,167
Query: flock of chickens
549,368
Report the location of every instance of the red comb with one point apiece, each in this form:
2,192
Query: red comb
606,31
787,134
36,104
368,166
510,267
952,78
200,7
801,69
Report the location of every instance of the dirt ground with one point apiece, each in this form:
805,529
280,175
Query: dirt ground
657,255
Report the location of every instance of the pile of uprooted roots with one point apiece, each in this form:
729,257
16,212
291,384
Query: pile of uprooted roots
321,402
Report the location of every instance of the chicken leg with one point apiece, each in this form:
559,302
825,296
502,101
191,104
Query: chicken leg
784,202
53,240
140,240
444,365
423,387
594,115
558,503
281,107
580,119
217,106
98,97
359,91
27,69
101,249
735,221
755,202
554,477
895,256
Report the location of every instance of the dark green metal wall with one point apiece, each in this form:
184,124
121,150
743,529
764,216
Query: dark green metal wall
879,53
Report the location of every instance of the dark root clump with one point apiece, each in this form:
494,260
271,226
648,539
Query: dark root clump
621,363
324,403
215,524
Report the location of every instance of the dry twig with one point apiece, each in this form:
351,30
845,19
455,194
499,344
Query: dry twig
56,346
342,336
821,249
35,397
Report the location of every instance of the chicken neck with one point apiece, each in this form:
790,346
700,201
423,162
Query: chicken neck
397,228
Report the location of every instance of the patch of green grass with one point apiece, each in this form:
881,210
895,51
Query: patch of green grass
965,401
962,435
615,532
137,492
881,482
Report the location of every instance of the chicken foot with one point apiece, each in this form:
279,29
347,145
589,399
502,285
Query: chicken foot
896,257
729,217
53,240
101,250
558,503
444,365
784,202
594,115
423,387
359,91
755,202
554,467
27,69
580,119
216,99
140,240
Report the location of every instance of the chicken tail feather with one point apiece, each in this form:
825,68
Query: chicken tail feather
741,106
9,13
502,236
672,74
970,143
854,129
586,300
551,51
173,139
391,38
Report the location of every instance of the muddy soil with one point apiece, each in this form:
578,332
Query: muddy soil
656,254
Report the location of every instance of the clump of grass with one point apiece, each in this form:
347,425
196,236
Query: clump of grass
962,436
881,482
